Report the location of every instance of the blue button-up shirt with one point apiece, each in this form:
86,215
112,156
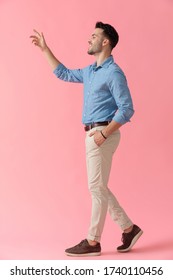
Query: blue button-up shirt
106,93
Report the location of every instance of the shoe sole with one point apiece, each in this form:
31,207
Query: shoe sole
135,239
83,255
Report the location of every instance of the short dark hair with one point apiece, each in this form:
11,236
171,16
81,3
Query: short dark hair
109,32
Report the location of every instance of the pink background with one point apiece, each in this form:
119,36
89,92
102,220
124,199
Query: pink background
44,200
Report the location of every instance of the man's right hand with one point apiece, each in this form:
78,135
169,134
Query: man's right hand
38,40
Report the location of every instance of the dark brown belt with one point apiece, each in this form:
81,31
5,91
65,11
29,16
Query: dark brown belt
90,126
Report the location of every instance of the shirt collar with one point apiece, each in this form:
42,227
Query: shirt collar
105,63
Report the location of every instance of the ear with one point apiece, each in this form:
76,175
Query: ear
105,42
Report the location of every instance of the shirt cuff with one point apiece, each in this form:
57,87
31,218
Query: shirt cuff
58,69
123,118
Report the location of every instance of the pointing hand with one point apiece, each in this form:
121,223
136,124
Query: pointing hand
38,40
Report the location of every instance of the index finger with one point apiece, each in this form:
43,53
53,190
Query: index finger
92,133
37,32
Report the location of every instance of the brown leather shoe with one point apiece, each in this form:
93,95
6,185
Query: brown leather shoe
84,249
129,239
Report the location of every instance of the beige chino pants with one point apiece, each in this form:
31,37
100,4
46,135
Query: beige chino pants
99,161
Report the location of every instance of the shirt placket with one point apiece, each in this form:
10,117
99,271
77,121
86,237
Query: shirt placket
89,100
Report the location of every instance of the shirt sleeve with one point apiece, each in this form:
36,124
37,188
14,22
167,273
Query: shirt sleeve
120,91
68,75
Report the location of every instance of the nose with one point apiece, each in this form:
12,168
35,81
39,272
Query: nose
89,41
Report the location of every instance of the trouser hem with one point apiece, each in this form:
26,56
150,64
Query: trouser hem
97,238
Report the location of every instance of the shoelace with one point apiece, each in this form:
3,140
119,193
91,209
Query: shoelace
80,244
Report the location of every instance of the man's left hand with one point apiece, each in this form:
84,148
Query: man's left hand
98,138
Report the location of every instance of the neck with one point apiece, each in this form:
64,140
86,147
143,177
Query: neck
101,57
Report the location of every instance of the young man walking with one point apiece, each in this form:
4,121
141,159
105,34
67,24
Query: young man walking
107,106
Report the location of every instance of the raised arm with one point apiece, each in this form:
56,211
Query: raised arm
39,41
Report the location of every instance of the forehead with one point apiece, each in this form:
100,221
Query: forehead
97,32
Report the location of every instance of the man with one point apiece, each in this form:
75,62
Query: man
107,106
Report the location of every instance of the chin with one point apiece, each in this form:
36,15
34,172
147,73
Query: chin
90,52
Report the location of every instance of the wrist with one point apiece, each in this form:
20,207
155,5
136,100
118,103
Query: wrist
45,49
104,136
